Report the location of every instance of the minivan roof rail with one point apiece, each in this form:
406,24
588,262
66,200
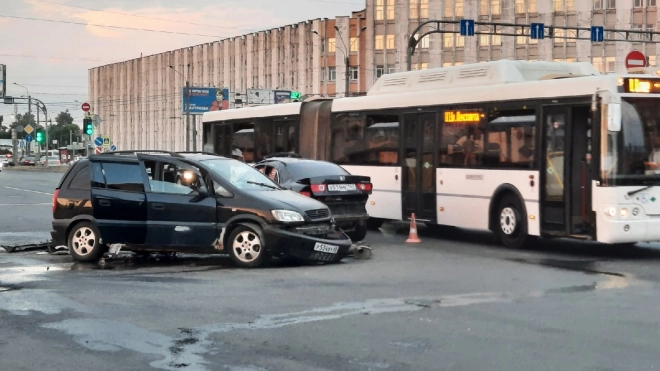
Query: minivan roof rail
135,152
201,153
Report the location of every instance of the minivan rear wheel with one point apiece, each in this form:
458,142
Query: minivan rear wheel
83,243
246,248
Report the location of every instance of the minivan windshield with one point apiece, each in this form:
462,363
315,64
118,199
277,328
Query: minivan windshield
240,175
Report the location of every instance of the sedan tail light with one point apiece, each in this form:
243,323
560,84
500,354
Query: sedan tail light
366,187
318,188
55,196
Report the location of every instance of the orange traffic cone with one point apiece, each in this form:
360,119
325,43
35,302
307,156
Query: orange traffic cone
413,237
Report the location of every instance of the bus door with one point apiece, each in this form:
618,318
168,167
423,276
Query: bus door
222,139
565,206
419,166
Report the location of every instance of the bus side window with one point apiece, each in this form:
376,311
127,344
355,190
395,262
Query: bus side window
511,139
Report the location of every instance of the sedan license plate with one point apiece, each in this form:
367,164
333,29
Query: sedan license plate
341,187
330,249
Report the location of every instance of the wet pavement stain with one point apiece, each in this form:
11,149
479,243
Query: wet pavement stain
584,266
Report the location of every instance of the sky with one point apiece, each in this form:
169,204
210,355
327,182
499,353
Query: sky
49,45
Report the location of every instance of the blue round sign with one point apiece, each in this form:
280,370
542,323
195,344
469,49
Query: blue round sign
113,148
28,138
98,141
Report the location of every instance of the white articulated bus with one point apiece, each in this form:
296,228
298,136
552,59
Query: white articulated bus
520,148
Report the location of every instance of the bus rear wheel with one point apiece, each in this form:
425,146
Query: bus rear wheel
511,222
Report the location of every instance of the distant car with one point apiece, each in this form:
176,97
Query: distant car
27,161
188,203
346,195
52,160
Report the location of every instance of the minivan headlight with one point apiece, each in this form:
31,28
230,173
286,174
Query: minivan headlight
287,216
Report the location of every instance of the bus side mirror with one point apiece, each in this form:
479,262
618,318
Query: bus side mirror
614,117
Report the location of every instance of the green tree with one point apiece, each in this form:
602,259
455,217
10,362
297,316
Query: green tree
24,120
64,118
63,134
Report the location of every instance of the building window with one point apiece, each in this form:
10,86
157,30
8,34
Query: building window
563,5
448,40
423,66
484,7
449,9
423,43
380,42
355,44
638,3
380,71
486,40
332,74
650,2
391,69
559,35
598,64
380,10
459,8
391,42
610,64
332,45
414,9
390,9
532,6
424,9
521,7
598,4
354,73
495,7
460,41
611,4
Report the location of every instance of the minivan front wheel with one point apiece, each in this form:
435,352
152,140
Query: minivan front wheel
84,245
246,248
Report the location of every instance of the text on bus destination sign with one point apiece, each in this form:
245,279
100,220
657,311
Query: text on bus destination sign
458,116
647,86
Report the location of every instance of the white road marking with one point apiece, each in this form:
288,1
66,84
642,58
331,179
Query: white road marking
27,190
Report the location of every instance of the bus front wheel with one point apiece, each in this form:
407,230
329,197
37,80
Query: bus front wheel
511,222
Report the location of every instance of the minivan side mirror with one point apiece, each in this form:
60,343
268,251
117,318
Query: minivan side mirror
614,116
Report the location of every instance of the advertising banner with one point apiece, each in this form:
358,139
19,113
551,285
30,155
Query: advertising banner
282,96
205,100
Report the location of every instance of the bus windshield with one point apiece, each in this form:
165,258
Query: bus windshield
633,154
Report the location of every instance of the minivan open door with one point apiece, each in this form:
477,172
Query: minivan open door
119,202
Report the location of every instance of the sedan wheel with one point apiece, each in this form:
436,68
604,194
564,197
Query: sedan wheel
84,242
246,248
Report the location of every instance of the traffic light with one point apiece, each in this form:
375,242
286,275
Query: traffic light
40,137
88,126
295,96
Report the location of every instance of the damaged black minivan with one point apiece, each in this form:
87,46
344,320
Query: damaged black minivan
188,202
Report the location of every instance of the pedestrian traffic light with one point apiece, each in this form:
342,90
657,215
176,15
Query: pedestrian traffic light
88,126
40,137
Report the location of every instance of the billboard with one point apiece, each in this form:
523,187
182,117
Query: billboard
259,96
282,96
206,99
3,80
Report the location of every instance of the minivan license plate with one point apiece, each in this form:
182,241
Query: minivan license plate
341,187
330,249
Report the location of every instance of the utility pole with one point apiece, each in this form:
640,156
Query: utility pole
348,76
347,56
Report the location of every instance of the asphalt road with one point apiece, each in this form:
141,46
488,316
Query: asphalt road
26,204
454,302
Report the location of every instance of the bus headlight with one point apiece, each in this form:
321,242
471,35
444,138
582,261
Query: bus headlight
610,211
624,212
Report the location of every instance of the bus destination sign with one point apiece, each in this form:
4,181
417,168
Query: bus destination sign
645,86
463,117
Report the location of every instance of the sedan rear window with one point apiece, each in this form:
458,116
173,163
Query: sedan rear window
304,170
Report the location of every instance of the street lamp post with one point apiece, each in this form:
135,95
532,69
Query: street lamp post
325,63
29,109
347,57
187,93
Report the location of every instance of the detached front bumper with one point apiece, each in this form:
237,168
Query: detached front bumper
303,246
